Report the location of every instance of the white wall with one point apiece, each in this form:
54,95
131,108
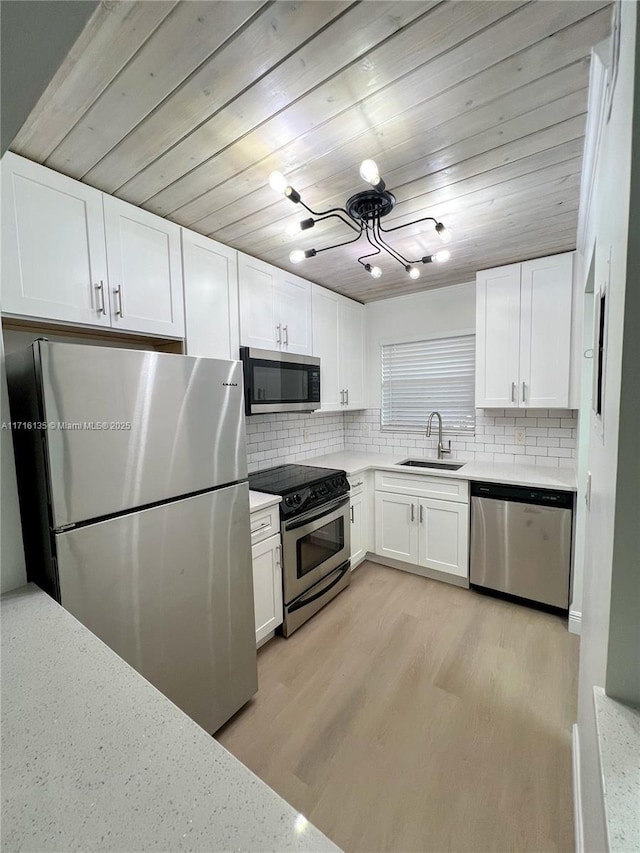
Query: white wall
607,233
12,565
445,309
292,437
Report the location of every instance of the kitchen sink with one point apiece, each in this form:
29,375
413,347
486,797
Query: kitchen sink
428,463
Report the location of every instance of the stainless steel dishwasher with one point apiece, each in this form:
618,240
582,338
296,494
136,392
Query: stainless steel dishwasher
521,542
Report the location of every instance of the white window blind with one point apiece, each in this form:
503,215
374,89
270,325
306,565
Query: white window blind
425,376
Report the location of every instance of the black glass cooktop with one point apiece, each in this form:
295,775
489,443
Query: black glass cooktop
287,478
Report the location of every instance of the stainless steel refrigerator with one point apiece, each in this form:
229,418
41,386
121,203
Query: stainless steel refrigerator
134,499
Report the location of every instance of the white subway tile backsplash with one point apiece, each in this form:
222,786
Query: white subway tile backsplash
550,437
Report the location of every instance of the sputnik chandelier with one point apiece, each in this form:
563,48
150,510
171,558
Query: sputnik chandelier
363,214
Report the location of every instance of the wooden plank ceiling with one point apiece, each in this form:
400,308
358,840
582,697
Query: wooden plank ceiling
474,112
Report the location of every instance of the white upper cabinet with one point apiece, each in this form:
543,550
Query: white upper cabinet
210,272
275,308
293,307
497,336
523,334
145,270
351,339
53,250
338,340
326,313
257,287
545,331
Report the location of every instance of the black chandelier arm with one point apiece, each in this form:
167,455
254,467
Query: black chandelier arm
378,251
337,245
407,224
394,254
333,211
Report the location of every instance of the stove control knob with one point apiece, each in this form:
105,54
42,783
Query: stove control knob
288,501
297,498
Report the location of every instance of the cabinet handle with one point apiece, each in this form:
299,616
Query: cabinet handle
118,293
412,513
342,398
347,393
278,563
513,392
355,485
351,515
260,527
524,395
421,508
285,329
279,330
100,288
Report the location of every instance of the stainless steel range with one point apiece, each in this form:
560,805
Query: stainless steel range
316,537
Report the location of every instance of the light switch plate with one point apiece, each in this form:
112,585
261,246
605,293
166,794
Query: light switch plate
520,436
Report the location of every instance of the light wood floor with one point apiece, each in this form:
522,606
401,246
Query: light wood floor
410,715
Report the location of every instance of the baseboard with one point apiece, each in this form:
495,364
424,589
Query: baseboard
575,622
577,796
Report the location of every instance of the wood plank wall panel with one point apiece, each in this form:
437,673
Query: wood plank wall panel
474,111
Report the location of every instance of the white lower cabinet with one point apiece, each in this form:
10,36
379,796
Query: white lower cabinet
443,536
426,532
267,586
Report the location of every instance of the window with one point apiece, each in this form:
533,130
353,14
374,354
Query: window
420,377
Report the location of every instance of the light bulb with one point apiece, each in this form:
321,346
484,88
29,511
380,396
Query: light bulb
374,272
297,256
443,232
293,228
441,256
414,272
369,172
278,182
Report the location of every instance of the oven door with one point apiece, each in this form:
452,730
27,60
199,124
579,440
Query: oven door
314,544
280,382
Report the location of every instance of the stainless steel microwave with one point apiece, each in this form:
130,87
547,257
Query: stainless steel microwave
279,381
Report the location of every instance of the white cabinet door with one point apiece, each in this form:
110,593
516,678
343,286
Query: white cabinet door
326,310
293,310
497,337
396,528
545,331
257,287
267,586
359,518
145,270
351,340
53,251
210,272
444,536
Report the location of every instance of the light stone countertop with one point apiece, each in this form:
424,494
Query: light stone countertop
261,500
618,728
94,758
489,472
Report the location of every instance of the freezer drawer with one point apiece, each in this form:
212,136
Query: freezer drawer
523,549
170,589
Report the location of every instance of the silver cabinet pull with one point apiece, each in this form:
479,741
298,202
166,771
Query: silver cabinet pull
421,508
412,513
351,515
118,292
260,527
100,288
285,329
524,394
513,392
355,485
279,331
347,393
342,398
278,555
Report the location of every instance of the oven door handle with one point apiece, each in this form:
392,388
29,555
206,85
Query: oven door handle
314,515
302,601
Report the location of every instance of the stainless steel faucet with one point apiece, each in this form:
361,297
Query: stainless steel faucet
441,448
